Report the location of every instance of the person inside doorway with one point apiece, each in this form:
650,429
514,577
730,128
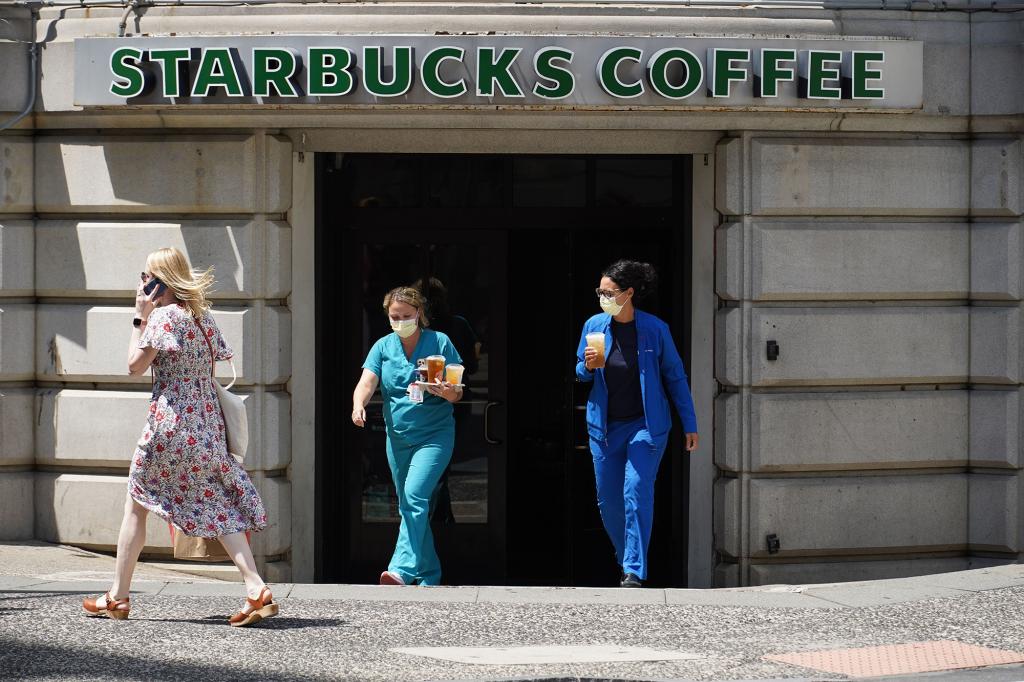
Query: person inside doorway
420,428
460,331
455,326
631,359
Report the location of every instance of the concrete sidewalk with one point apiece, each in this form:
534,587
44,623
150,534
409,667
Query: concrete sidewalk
177,628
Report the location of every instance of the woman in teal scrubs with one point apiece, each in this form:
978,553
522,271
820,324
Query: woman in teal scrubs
420,435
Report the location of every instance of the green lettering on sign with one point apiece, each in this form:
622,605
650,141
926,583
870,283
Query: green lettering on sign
608,72
171,63
772,73
862,74
373,72
818,73
217,70
329,72
722,64
273,67
560,81
491,70
129,80
432,80
657,72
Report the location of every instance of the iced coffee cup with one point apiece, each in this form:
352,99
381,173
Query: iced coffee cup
435,368
595,340
453,374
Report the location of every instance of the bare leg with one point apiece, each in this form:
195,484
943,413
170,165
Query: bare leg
130,541
238,549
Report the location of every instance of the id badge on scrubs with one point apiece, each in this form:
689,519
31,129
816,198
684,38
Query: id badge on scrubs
415,393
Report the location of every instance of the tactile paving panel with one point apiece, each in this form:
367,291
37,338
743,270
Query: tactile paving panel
899,659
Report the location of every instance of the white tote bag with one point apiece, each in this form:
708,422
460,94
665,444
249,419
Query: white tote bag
236,426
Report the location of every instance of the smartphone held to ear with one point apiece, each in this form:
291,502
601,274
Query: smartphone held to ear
154,283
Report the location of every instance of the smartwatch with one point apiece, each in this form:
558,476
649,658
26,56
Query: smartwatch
137,322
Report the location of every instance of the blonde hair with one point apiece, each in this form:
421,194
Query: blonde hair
409,296
191,287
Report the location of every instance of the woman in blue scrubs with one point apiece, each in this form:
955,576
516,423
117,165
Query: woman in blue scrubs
628,415
420,435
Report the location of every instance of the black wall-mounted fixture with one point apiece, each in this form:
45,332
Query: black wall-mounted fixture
773,349
773,543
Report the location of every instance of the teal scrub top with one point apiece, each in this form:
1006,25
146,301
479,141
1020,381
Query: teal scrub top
404,418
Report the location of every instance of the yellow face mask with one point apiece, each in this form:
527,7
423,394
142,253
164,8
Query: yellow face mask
404,328
610,305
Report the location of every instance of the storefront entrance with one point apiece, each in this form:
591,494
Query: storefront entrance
510,249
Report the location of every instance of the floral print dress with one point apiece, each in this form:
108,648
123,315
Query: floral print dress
181,470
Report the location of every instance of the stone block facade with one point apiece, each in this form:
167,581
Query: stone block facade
101,428
16,175
154,175
892,405
81,275
253,332
17,276
844,177
236,249
880,253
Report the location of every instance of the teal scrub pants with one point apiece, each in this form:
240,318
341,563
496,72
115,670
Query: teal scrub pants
625,467
416,470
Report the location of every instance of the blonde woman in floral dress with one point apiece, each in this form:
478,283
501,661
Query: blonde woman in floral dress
181,470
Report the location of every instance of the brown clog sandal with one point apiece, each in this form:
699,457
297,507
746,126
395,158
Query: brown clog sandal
262,607
110,609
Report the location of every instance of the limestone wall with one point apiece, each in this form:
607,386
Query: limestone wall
69,269
882,253
17,309
886,271
102,204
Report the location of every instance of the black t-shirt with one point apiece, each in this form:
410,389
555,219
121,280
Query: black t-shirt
622,374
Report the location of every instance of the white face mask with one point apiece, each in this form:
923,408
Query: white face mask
610,306
404,328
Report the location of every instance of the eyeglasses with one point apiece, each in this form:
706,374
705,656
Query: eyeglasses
607,293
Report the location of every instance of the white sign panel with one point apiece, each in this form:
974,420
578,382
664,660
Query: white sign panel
553,71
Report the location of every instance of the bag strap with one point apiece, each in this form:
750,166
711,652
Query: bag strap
213,358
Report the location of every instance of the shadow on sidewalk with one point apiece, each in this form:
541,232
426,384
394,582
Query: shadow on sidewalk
42,594
275,623
23,661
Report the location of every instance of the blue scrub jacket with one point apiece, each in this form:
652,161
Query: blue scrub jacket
662,376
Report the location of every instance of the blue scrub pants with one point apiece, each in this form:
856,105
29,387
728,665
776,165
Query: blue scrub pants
625,466
416,470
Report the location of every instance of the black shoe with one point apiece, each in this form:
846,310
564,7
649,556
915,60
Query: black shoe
630,580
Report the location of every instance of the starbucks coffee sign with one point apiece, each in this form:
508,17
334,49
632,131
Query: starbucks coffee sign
506,71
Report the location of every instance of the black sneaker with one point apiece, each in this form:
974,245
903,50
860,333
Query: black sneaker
630,580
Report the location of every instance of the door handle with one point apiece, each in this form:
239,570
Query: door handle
487,423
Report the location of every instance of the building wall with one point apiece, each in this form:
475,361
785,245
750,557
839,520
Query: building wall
883,441
78,214
17,285
103,201
881,251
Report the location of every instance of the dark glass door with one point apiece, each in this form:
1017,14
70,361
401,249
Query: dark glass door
548,439
513,247
462,274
